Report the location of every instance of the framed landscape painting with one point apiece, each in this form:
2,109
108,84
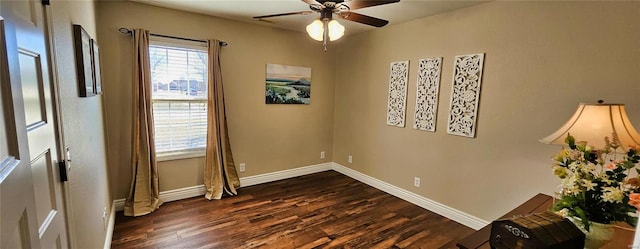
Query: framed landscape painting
288,84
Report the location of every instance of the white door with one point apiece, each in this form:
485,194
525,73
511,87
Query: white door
31,197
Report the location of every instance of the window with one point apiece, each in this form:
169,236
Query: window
179,97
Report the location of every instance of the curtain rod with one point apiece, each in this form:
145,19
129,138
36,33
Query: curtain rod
127,31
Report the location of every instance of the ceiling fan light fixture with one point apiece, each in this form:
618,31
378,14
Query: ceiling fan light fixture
316,30
336,30
325,29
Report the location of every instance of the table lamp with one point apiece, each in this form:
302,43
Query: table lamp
594,122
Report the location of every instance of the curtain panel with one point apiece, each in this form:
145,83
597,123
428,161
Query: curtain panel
144,196
220,175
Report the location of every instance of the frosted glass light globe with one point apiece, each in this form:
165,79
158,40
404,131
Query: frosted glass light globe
316,30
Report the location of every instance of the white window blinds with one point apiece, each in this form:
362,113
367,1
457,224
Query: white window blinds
179,96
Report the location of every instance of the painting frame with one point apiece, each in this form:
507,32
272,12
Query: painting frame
285,84
95,67
82,44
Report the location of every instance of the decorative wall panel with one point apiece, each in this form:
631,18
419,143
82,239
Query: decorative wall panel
397,93
465,94
427,94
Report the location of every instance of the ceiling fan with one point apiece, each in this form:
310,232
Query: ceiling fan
325,28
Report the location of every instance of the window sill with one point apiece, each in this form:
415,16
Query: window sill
170,156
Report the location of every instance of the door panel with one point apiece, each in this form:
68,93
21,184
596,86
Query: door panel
18,228
43,186
32,98
21,234
26,11
32,88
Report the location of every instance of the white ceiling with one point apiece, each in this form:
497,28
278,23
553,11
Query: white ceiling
244,10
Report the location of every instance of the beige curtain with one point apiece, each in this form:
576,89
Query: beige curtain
144,196
220,174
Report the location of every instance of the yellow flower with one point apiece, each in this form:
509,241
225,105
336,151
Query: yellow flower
565,153
560,171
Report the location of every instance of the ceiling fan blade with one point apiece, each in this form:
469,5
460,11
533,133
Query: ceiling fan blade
284,14
359,4
368,20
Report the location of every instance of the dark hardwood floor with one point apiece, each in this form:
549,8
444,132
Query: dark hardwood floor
322,210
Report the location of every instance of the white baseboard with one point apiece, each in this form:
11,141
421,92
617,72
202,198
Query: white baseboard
182,193
170,195
428,204
110,226
119,204
193,191
284,174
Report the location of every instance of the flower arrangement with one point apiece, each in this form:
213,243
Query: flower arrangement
596,186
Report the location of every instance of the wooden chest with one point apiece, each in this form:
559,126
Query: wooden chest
539,230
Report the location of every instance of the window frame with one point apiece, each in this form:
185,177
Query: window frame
179,44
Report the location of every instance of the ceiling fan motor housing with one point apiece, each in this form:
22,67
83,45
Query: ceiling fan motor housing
326,14
334,2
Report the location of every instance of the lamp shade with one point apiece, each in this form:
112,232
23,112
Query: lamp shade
593,122
336,30
316,30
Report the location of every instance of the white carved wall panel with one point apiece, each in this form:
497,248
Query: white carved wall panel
397,105
465,95
427,94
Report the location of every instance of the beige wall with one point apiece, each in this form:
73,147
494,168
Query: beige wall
267,138
542,59
181,173
82,123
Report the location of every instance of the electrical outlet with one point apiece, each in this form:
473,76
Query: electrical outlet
350,159
416,181
322,155
242,167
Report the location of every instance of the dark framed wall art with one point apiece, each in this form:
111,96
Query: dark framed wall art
95,67
82,42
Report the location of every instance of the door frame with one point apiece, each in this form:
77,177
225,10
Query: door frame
57,118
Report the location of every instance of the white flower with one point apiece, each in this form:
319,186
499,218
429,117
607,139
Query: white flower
588,184
613,195
604,178
589,168
570,186
575,166
563,212
575,155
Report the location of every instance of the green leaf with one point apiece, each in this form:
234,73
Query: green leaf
583,217
570,141
632,221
